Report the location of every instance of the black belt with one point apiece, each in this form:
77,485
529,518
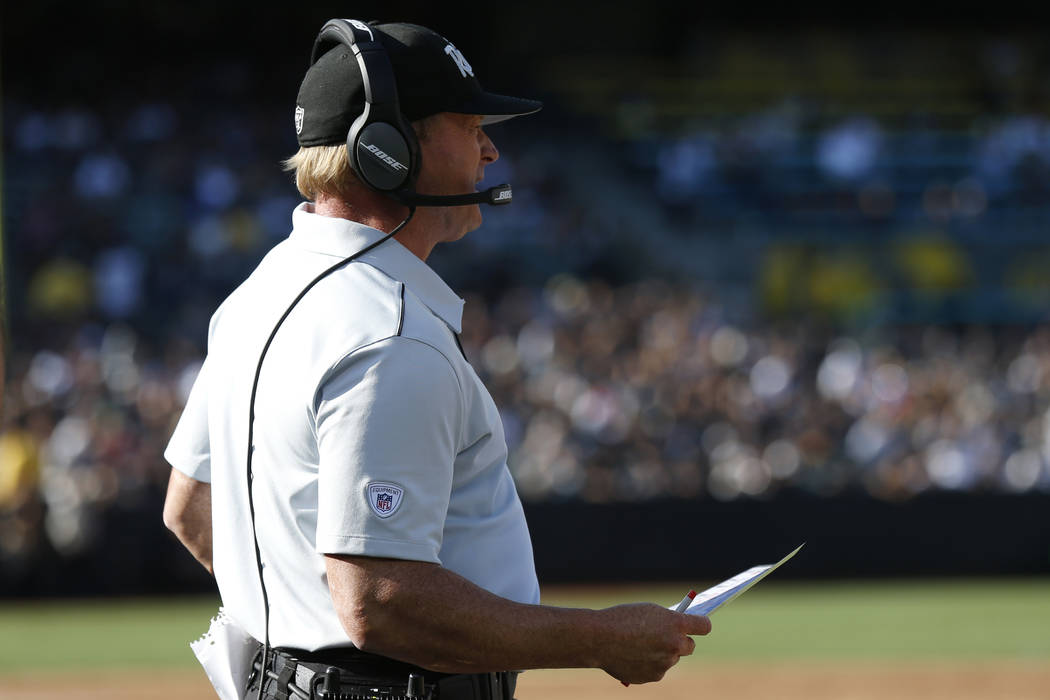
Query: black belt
352,675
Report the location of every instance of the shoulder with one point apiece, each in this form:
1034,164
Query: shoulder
326,312
399,363
422,325
394,377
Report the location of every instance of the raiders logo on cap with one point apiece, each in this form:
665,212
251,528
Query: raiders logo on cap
299,114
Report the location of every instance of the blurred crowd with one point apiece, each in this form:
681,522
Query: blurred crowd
646,390
608,394
658,321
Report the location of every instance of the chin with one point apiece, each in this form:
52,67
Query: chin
473,220
457,222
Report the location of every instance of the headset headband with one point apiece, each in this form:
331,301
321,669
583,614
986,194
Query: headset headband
381,145
376,71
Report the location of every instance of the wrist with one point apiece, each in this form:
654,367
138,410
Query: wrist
591,629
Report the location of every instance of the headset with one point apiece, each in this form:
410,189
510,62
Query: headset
381,145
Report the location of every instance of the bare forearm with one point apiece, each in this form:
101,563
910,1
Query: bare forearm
198,543
429,616
187,513
410,617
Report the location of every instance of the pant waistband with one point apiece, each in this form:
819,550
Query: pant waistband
290,677
352,660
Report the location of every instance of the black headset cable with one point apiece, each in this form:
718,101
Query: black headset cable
251,426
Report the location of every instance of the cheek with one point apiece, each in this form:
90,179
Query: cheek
462,161
439,163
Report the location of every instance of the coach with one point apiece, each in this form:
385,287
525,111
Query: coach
339,465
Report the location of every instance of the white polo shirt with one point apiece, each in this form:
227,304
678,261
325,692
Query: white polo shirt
373,434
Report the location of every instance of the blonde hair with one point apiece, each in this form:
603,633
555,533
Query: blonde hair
321,170
326,169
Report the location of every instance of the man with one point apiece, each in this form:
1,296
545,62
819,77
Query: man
390,537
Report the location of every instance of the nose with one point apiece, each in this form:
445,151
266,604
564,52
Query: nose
489,154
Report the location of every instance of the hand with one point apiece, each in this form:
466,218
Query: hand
643,640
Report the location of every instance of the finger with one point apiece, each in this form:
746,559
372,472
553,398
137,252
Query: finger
686,647
696,624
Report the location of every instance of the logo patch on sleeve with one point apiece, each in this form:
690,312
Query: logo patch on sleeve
384,498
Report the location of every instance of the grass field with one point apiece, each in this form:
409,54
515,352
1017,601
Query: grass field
793,636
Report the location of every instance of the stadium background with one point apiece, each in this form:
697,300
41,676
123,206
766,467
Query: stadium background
763,282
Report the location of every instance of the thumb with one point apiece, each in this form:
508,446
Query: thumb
695,624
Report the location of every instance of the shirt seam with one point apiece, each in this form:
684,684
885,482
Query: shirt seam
349,354
327,374
455,375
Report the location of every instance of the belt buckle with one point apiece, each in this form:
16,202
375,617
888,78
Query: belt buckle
332,685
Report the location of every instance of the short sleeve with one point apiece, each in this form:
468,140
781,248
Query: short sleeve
388,427
189,449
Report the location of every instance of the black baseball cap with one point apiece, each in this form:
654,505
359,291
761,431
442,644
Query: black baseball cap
431,75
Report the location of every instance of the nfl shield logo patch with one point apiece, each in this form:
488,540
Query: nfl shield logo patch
384,498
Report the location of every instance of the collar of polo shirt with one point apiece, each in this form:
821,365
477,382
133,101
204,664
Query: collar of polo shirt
342,238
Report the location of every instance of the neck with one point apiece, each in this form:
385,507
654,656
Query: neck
420,235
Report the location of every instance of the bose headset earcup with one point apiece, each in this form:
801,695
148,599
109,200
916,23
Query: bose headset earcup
382,157
381,145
